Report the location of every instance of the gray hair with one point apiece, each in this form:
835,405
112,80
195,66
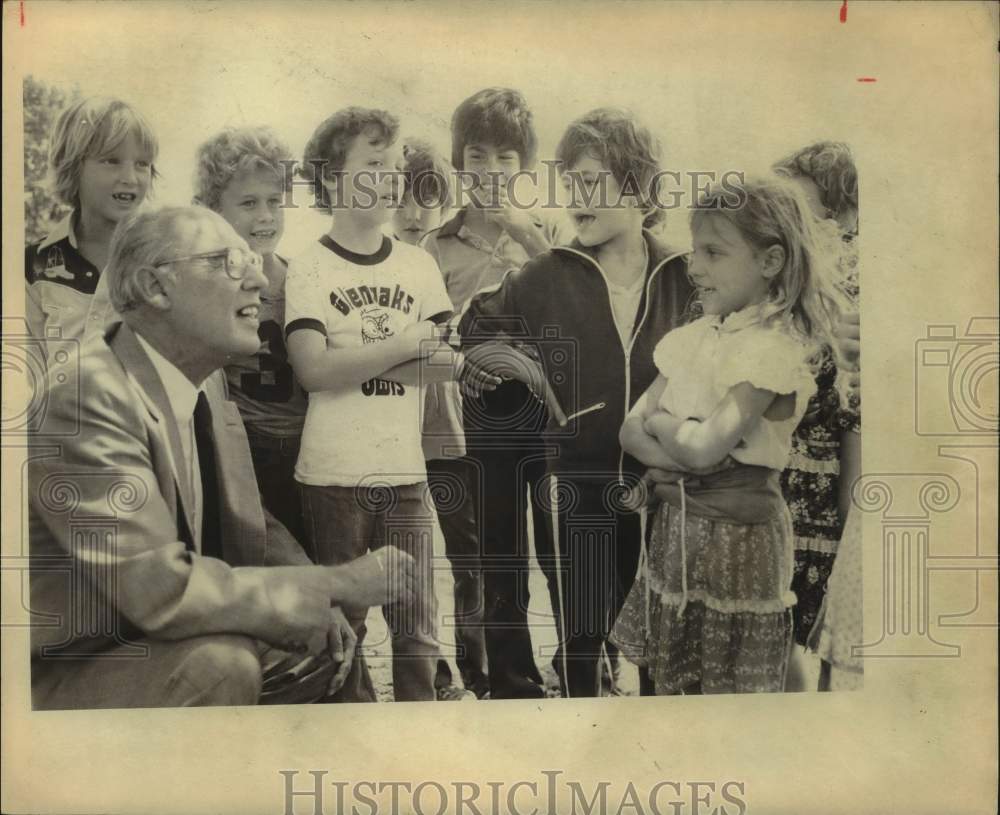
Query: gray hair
142,241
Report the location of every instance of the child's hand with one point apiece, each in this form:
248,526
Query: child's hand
849,339
473,379
498,210
501,360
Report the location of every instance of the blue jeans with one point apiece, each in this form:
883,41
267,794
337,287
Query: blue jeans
342,524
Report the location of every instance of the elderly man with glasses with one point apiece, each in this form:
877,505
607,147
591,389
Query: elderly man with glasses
157,579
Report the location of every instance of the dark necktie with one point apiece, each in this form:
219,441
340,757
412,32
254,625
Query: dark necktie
211,532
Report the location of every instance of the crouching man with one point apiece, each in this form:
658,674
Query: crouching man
157,579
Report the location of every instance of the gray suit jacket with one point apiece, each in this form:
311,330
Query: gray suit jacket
111,555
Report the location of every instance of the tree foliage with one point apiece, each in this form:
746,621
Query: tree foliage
42,105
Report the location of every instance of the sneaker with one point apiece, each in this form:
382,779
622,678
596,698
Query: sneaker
453,693
478,684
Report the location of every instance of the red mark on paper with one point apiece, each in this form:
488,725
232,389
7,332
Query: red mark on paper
843,12
22,13
867,79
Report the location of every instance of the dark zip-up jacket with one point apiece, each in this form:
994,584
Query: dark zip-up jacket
559,303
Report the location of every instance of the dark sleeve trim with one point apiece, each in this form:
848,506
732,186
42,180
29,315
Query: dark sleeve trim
304,322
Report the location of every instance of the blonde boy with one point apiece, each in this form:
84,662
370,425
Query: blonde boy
240,175
101,159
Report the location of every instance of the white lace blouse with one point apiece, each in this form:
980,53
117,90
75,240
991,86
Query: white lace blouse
701,361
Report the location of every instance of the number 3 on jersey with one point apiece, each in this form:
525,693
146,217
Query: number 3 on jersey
273,381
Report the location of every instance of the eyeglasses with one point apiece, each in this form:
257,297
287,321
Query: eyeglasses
237,261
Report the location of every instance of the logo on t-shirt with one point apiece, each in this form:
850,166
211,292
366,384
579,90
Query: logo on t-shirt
382,387
375,328
375,325
345,300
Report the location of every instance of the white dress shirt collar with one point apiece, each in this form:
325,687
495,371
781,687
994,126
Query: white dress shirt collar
181,392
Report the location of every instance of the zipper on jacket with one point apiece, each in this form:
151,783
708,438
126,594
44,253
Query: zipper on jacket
626,349
628,353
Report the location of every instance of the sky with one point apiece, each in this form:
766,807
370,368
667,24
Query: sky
195,68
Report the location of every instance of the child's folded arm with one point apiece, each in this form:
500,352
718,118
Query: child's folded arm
320,368
634,438
699,445
441,366
646,448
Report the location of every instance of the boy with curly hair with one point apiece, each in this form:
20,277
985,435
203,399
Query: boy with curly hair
241,174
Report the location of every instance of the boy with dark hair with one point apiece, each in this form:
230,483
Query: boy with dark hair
493,140
426,193
611,294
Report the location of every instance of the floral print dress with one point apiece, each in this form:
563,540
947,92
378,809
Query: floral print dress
810,484
710,605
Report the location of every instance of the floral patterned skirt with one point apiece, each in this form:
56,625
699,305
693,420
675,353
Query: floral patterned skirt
712,608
